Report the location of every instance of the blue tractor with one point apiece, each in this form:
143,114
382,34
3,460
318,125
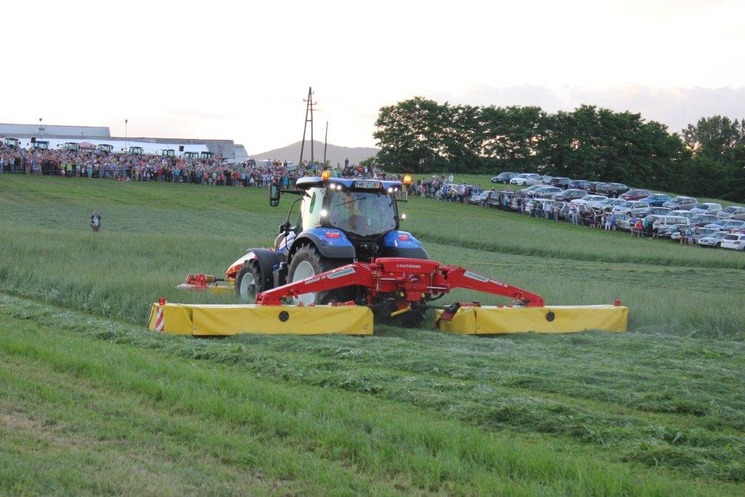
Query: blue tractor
340,221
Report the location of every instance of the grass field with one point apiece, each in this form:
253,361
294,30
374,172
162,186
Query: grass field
92,403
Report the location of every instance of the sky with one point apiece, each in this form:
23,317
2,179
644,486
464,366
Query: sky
241,71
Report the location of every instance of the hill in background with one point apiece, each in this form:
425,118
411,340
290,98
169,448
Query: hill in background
335,154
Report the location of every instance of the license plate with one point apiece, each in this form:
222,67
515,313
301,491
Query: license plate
368,185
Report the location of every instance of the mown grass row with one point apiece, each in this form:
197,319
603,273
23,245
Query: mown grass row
125,415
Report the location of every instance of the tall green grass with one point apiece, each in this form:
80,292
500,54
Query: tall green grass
154,234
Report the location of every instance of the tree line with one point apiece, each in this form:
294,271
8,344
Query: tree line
422,136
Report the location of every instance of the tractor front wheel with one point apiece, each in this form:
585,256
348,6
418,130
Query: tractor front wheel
307,263
248,283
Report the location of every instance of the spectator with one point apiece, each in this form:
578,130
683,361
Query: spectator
95,222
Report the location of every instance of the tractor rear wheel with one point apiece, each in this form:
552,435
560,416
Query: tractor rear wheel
248,283
308,262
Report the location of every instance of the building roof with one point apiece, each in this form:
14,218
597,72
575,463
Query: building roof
53,130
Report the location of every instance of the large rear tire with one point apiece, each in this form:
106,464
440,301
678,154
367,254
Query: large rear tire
248,283
308,262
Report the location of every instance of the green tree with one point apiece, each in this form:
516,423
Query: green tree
509,137
714,136
420,135
717,146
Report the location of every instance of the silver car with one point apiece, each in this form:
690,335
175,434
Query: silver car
714,240
680,203
732,212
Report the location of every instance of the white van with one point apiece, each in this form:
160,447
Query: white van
667,221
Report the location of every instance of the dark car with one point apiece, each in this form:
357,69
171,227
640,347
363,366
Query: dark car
656,199
503,177
569,194
635,194
704,219
596,187
615,189
580,184
560,181
654,211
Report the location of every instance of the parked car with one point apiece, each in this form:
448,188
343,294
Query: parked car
546,191
666,224
607,204
501,199
479,198
630,207
569,194
544,204
596,187
704,219
587,199
657,211
656,199
713,241
614,189
669,231
635,194
529,190
560,181
733,241
503,177
579,184
623,222
680,203
698,233
727,225
684,213
706,208
525,179
732,212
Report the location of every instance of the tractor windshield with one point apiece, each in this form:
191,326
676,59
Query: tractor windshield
362,213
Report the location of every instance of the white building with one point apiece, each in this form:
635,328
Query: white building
57,136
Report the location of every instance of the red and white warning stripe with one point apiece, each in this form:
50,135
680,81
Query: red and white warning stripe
160,320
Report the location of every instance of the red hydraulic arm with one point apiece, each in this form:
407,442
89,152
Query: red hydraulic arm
411,280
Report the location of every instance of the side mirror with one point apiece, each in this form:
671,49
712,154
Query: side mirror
274,194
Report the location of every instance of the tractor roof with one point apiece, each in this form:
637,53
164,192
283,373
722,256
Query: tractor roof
364,184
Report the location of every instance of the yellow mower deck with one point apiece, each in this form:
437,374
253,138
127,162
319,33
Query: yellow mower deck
549,319
225,320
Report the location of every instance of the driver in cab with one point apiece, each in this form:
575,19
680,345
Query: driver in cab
344,212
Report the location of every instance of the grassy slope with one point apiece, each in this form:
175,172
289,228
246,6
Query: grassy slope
99,404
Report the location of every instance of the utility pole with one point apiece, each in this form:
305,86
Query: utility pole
308,119
325,142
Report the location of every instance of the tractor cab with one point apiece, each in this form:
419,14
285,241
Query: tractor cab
358,208
354,213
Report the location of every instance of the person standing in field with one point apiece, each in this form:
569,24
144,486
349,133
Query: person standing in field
96,222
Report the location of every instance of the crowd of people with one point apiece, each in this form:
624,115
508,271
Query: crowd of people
146,167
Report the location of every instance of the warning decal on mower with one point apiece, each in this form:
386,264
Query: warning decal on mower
475,276
482,279
343,272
